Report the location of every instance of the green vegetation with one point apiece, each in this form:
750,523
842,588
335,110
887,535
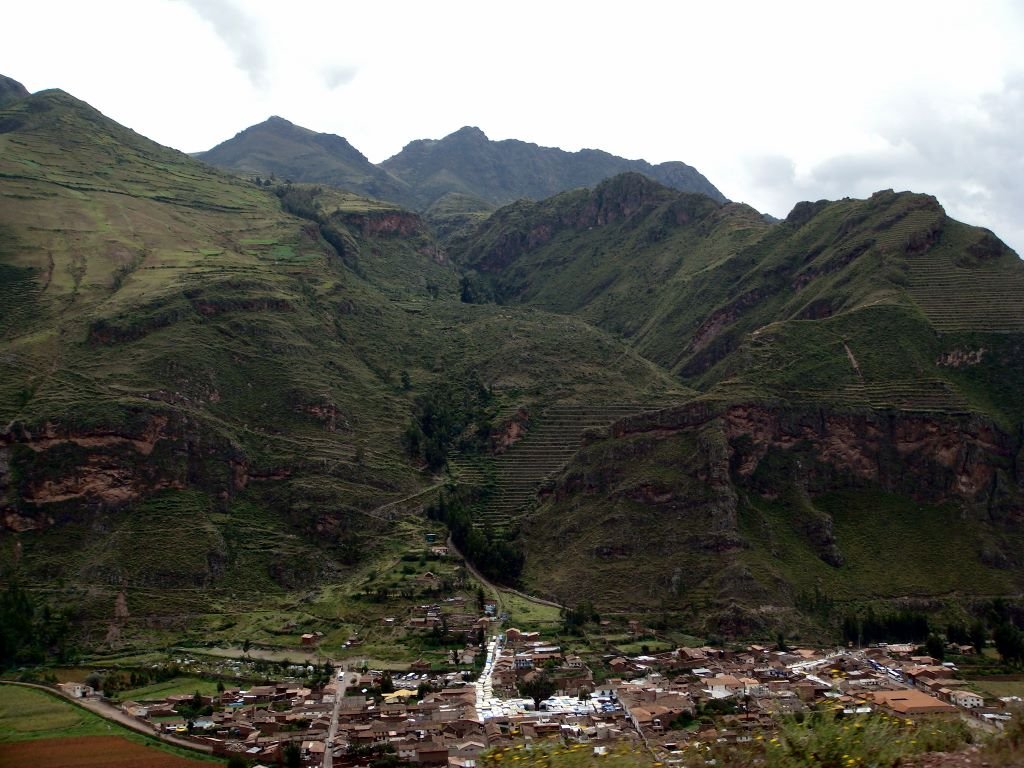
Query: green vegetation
29,633
30,714
236,398
173,687
823,740
27,714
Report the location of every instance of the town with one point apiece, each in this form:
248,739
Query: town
530,692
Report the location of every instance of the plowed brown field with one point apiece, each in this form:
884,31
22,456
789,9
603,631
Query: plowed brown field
90,752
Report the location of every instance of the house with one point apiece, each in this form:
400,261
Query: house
432,754
523,661
308,639
966,699
134,709
722,686
910,702
77,690
516,637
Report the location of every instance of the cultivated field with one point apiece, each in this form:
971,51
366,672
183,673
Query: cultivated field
90,751
37,728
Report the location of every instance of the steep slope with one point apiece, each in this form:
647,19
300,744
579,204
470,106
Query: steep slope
861,355
207,380
11,90
284,150
499,172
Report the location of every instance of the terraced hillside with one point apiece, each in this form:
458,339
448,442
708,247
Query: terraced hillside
512,479
957,296
183,345
860,347
265,381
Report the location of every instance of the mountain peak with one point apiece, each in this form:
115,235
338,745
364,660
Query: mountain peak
278,147
11,90
469,132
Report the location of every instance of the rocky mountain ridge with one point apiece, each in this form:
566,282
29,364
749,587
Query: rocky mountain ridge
464,168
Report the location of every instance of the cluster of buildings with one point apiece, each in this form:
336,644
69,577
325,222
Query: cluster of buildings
713,695
662,702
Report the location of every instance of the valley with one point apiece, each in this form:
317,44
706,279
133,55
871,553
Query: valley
275,403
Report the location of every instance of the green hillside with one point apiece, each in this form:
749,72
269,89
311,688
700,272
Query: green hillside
451,179
227,400
860,355
285,151
183,345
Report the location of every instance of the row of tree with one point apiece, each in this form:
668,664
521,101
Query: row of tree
29,632
451,414
495,557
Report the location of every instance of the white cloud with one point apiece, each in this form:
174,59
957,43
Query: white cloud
240,31
774,102
969,154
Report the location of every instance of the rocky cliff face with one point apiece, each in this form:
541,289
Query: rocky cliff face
960,458
693,497
59,470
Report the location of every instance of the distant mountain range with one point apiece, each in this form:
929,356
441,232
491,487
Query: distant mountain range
465,163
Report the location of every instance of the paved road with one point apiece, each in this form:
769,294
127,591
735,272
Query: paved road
344,679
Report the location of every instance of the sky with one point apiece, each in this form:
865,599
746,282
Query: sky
775,102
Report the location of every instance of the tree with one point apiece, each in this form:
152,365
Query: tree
292,755
386,684
978,636
935,647
1009,641
538,688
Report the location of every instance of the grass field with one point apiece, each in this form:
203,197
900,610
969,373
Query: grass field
38,728
528,615
176,686
28,714
1000,687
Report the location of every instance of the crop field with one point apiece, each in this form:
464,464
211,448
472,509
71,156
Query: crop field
28,714
37,728
89,752
173,687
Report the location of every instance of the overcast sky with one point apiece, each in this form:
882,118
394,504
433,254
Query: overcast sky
775,102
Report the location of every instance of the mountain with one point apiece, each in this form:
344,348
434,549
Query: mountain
230,406
208,382
453,178
500,172
11,90
284,150
858,364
